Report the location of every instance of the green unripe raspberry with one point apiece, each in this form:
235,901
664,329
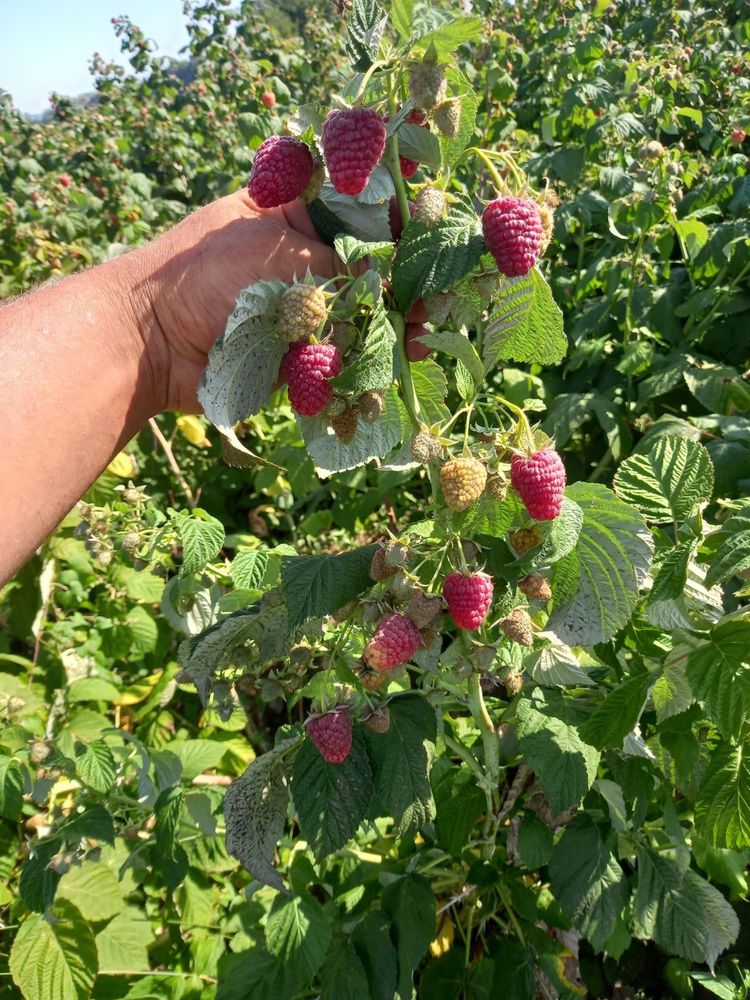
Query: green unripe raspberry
429,207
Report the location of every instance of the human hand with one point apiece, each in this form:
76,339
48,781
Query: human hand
194,273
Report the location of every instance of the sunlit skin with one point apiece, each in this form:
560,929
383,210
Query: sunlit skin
85,362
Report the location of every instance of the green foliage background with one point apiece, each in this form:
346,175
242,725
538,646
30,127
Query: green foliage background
112,775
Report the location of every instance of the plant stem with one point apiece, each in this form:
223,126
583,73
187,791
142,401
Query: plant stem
394,166
491,753
408,394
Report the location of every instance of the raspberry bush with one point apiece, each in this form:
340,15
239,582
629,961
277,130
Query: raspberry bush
439,682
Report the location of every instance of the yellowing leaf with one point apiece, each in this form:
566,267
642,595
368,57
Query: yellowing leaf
123,465
138,692
193,429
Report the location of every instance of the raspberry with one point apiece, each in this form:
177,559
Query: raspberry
423,609
513,233
536,587
517,626
380,720
395,641
738,136
282,169
336,407
372,680
332,735
302,308
463,480
447,117
539,480
425,448
513,683
524,540
345,425
307,368
370,406
65,181
468,598
496,488
353,143
269,98
379,568
429,207
428,85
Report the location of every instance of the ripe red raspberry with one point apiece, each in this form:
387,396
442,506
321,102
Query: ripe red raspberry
332,735
353,143
65,181
539,480
395,641
307,368
282,169
738,136
513,233
468,598
269,98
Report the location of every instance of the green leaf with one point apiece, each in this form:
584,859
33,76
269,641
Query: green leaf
431,387
196,756
489,517
372,942
371,441
331,799
314,586
668,481
255,808
722,812
587,881
681,911
92,689
167,809
372,371
298,932
616,716
459,802
613,557
456,345
535,842
258,971
201,536
671,693
555,665
402,12
96,767
244,362
249,568
344,976
449,36
143,629
401,760
364,29
525,324
718,671
123,944
55,958
38,883
411,906
93,889
11,789
731,548
433,259
562,537
672,573
565,765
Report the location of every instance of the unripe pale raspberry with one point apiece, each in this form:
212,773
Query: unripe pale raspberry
513,683
428,85
379,568
539,480
547,216
353,143
517,626
396,553
395,641
372,680
316,182
332,735
336,407
447,117
345,425
307,368
423,609
430,205
380,720
282,169
370,406
524,540
513,233
536,587
497,488
463,481
302,308
469,597
425,448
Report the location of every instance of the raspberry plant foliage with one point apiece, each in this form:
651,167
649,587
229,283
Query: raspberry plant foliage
619,834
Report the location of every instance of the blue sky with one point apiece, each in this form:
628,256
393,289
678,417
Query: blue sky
46,45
